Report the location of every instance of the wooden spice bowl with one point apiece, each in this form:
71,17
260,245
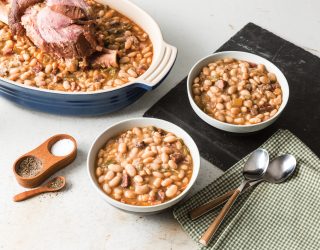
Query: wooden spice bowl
50,163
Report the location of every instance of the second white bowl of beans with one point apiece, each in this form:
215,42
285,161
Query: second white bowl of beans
237,91
143,165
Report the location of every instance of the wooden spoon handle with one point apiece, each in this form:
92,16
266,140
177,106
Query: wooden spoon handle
206,237
209,206
216,202
29,194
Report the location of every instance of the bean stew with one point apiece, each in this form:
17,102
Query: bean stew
237,92
144,166
21,61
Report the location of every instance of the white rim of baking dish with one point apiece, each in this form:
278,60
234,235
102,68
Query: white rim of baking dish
162,61
240,55
192,146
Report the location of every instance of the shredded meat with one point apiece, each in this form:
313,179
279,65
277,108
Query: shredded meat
254,111
177,157
125,180
161,195
106,60
265,108
140,145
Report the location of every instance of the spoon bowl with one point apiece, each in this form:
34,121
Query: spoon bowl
56,184
257,164
280,169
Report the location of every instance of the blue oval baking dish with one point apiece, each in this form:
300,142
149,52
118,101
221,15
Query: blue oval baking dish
104,101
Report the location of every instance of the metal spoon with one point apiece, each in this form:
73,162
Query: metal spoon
254,169
54,185
279,170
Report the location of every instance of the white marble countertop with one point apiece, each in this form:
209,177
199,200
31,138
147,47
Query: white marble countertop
78,218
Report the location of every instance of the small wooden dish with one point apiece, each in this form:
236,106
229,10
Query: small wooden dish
50,163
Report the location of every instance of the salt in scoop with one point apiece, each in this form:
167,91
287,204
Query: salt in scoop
36,166
55,185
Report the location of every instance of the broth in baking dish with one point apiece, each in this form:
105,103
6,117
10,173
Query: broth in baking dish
144,166
21,61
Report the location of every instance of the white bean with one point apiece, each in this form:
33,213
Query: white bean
181,174
118,190
157,174
148,140
101,179
157,140
171,191
166,150
147,154
172,164
48,69
99,171
115,168
132,73
164,157
117,196
148,160
133,152
130,194
144,197
107,188
184,167
137,131
166,182
109,176
122,148
141,189
157,182
170,139
138,179
174,178
155,166
185,181
115,181
131,170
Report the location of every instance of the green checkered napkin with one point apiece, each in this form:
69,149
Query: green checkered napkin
270,216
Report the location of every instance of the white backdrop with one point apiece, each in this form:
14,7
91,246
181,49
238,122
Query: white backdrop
78,218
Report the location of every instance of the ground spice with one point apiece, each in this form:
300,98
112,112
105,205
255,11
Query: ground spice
56,183
29,167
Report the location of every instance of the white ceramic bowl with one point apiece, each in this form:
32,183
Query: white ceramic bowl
142,122
240,56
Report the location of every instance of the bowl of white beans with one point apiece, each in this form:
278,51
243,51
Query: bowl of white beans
237,91
143,165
